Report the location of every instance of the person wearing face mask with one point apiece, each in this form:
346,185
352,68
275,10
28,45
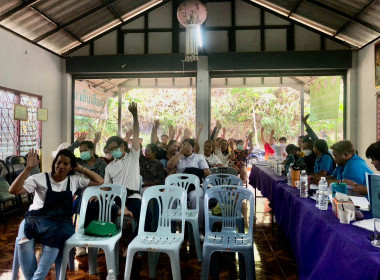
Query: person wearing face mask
310,156
124,169
283,152
373,153
239,161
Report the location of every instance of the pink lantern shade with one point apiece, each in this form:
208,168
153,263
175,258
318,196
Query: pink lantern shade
191,12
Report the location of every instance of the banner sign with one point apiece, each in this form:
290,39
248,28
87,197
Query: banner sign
324,98
90,102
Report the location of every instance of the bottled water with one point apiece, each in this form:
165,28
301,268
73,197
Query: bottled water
303,184
289,175
111,275
323,194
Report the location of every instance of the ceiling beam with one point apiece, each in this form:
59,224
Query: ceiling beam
56,23
298,3
74,20
116,27
24,5
114,12
263,8
356,15
343,14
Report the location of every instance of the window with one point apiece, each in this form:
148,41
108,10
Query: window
18,137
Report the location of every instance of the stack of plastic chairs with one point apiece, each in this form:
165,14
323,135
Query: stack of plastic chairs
185,181
106,195
162,240
230,199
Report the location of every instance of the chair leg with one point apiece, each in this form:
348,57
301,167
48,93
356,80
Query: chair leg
128,264
197,239
71,259
110,259
175,265
92,260
205,263
249,263
152,261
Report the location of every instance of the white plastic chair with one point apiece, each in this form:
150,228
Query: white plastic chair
224,170
106,195
162,240
223,179
128,218
184,181
230,199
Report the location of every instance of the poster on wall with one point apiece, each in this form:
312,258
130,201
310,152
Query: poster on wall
377,64
324,98
20,112
90,102
42,114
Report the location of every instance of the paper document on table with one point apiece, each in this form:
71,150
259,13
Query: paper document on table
366,224
360,201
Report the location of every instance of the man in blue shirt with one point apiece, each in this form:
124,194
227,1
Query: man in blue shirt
350,168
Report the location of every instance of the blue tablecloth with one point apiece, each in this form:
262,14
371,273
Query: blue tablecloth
324,248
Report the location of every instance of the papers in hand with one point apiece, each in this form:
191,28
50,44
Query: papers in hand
366,224
360,201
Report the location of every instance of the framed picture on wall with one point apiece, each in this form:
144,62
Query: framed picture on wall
377,64
42,114
20,112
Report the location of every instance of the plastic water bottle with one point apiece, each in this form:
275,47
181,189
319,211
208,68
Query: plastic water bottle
289,175
323,195
303,184
111,275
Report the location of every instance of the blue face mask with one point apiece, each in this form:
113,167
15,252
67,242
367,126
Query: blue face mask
116,153
85,155
240,147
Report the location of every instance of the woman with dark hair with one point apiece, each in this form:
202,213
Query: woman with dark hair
165,155
373,152
324,164
152,170
222,152
48,220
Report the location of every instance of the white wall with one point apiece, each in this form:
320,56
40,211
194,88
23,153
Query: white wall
28,68
366,100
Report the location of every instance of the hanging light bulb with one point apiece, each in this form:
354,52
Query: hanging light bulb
191,14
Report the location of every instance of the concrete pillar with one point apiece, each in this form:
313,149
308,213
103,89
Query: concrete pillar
203,98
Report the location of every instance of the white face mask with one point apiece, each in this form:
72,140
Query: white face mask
282,144
308,152
129,145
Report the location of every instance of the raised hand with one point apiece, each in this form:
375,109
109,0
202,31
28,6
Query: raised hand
128,134
156,123
250,135
187,133
218,124
132,107
32,160
200,126
171,132
305,118
224,131
98,134
82,137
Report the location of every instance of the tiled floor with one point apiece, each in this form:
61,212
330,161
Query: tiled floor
273,256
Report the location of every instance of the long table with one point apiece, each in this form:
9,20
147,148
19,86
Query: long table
323,247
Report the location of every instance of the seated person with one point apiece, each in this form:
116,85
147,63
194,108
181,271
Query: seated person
185,158
211,158
310,156
293,157
350,168
223,153
165,155
239,161
324,164
152,170
49,219
373,152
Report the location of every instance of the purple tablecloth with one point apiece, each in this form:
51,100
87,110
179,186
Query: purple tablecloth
323,247
264,179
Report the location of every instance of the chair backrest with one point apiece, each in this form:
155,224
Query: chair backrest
184,181
4,171
17,165
168,199
221,179
106,195
230,200
224,170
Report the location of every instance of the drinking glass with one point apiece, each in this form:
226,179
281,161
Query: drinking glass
376,233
